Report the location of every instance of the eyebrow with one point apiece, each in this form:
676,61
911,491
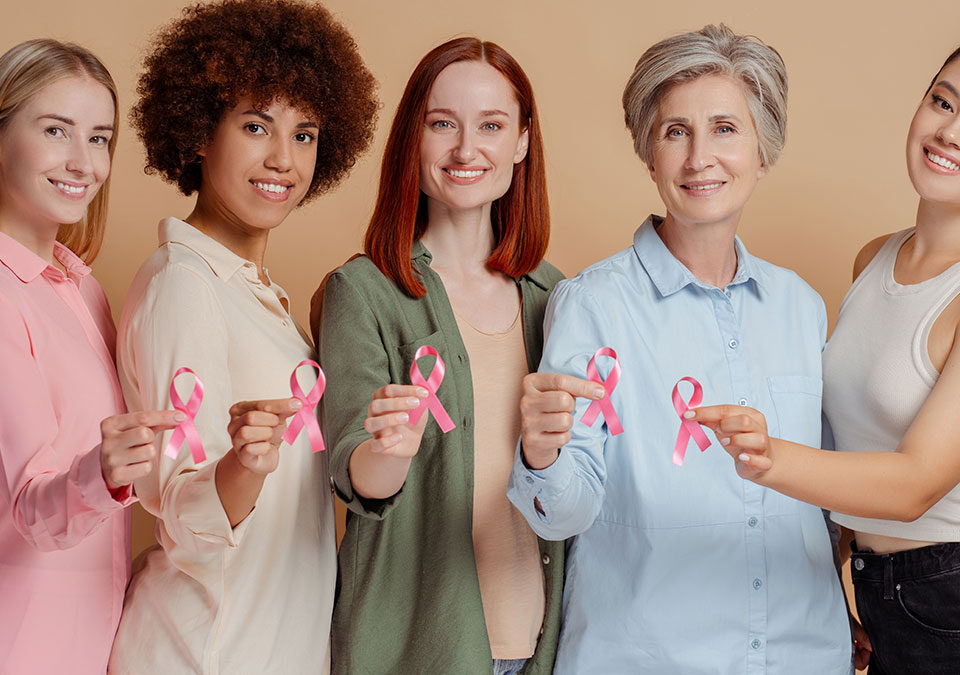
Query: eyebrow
713,118
483,113
70,122
267,118
949,87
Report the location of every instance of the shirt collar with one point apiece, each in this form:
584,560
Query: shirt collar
670,275
224,262
27,265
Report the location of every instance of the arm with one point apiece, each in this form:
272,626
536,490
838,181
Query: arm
899,485
559,470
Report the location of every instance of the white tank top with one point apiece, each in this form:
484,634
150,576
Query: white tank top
877,374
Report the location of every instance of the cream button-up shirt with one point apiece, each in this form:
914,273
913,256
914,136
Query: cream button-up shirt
256,598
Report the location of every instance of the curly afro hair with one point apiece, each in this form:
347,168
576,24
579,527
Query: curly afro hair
215,54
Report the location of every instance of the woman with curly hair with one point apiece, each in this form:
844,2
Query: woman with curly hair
439,573
67,450
256,106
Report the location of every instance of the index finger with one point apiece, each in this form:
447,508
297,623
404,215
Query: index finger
713,414
281,407
155,419
574,386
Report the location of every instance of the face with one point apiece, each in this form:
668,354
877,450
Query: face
933,142
259,164
706,153
472,137
54,154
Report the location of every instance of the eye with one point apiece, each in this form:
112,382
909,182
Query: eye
254,128
941,103
676,132
99,140
304,137
55,132
491,126
725,129
441,125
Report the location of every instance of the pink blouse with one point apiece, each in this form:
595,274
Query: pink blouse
64,540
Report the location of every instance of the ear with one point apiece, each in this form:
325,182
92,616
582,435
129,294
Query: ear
762,171
523,144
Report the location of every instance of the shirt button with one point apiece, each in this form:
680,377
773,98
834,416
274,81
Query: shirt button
460,358
742,401
529,480
545,559
332,489
753,521
467,421
858,563
727,293
733,343
757,584
755,644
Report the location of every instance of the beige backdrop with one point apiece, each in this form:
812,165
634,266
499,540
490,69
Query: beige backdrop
857,71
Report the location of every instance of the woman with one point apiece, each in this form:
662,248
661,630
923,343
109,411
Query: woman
685,569
438,572
67,450
891,387
272,106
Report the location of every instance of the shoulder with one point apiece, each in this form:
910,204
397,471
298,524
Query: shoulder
785,285
546,276
358,277
597,277
868,253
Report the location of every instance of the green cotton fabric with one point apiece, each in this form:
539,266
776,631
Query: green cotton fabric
408,598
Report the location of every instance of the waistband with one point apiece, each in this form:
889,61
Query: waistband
910,565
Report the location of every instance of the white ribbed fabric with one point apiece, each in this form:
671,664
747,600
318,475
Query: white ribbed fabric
877,374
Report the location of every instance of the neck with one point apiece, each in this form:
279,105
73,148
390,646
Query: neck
706,250
247,242
458,240
938,230
37,237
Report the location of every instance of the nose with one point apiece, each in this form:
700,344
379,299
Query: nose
466,149
949,133
80,159
701,155
280,156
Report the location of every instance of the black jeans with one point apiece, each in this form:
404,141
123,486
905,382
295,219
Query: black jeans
909,604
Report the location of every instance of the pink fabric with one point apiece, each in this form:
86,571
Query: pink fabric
64,540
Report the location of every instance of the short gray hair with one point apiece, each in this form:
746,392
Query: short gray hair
712,50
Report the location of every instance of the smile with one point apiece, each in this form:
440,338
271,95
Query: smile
271,187
68,189
941,161
707,186
458,173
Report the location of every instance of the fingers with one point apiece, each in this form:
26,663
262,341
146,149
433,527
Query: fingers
758,462
401,391
574,386
254,418
381,423
713,415
281,407
156,419
380,406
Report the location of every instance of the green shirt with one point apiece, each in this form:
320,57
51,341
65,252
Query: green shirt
408,598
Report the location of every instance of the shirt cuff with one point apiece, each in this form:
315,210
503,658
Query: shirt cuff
543,485
198,510
87,474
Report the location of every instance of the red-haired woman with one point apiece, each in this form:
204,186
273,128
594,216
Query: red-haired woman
438,570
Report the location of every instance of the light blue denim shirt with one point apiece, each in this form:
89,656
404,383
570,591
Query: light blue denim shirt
687,569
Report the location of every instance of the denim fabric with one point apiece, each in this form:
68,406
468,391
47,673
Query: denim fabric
508,666
909,604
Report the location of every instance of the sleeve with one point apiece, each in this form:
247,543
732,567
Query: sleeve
564,499
180,322
356,364
51,509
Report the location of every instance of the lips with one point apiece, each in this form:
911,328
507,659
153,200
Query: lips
464,175
70,189
941,160
702,188
272,190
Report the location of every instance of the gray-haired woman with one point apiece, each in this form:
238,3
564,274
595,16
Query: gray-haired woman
685,568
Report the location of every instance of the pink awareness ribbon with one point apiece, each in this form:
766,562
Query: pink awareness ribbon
688,428
431,384
307,415
186,430
604,405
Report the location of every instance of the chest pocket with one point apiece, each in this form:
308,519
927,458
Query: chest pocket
796,402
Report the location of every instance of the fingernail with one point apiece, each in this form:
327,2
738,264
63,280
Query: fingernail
598,393
422,393
296,404
403,417
413,402
724,441
689,414
744,457
179,416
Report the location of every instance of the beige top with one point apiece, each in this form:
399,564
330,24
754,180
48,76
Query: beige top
256,598
506,550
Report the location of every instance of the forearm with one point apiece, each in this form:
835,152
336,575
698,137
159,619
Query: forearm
237,487
886,485
375,475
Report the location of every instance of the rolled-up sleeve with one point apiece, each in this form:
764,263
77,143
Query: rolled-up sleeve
50,509
565,498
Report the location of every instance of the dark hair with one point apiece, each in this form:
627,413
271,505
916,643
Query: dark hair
950,59
521,217
215,54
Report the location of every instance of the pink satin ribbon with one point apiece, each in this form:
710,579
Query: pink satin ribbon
431,384
307,415
186,430
604,405
688,428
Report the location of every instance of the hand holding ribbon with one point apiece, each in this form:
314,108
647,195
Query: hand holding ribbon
604,405
742,431
431,384
186,430
307,416
688,428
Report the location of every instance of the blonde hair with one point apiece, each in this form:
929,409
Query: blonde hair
712,50
27,68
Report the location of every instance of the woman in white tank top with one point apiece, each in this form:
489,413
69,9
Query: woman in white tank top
892,398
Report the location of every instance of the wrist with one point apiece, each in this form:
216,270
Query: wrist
538,460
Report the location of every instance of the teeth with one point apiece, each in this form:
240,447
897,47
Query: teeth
942,161
74,190
272,187
704,187
464,174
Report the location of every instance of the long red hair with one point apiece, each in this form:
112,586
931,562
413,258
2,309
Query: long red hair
521,217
